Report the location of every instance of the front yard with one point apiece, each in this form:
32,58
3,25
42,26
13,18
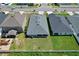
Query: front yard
62,13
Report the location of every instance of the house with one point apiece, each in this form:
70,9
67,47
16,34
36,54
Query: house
22,5
13,24
29,4
59,25
67,5
38,26
74,21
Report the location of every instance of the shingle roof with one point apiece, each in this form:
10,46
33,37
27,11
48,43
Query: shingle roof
13,20
37,25
2,17
59,24
74,20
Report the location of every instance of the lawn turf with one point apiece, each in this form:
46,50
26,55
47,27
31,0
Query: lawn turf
64,43
32,44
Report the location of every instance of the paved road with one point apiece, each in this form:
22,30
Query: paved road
42,8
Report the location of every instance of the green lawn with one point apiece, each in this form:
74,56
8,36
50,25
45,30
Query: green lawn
52,42
32,44
64,43
62,13
53,6
49,43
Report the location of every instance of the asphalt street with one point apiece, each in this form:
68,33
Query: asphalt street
41,8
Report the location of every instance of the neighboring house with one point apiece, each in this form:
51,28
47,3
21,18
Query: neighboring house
22,5
67,5
13,25
59,25
27,4
38,26
74,21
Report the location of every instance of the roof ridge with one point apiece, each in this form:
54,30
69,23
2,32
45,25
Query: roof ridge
8,18
17,21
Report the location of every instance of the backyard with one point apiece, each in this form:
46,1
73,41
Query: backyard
64,43
32,43
49,43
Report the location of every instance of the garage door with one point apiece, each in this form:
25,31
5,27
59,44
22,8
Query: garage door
0,31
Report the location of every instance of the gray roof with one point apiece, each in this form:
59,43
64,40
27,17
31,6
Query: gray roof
13,20
65,3
38,25
74,20
59,24
2,17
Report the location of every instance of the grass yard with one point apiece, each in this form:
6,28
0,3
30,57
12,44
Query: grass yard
53,6
32,44
62,13
64,43
50,43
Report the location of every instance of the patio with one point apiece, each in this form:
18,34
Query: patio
5,43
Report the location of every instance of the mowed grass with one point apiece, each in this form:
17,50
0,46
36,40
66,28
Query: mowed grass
39,44
49,43
64,43
62,13
32,44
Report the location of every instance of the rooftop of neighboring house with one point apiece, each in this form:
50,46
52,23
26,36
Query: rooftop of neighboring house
74,20
29,4
37,25
65,3
13,20
59,24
